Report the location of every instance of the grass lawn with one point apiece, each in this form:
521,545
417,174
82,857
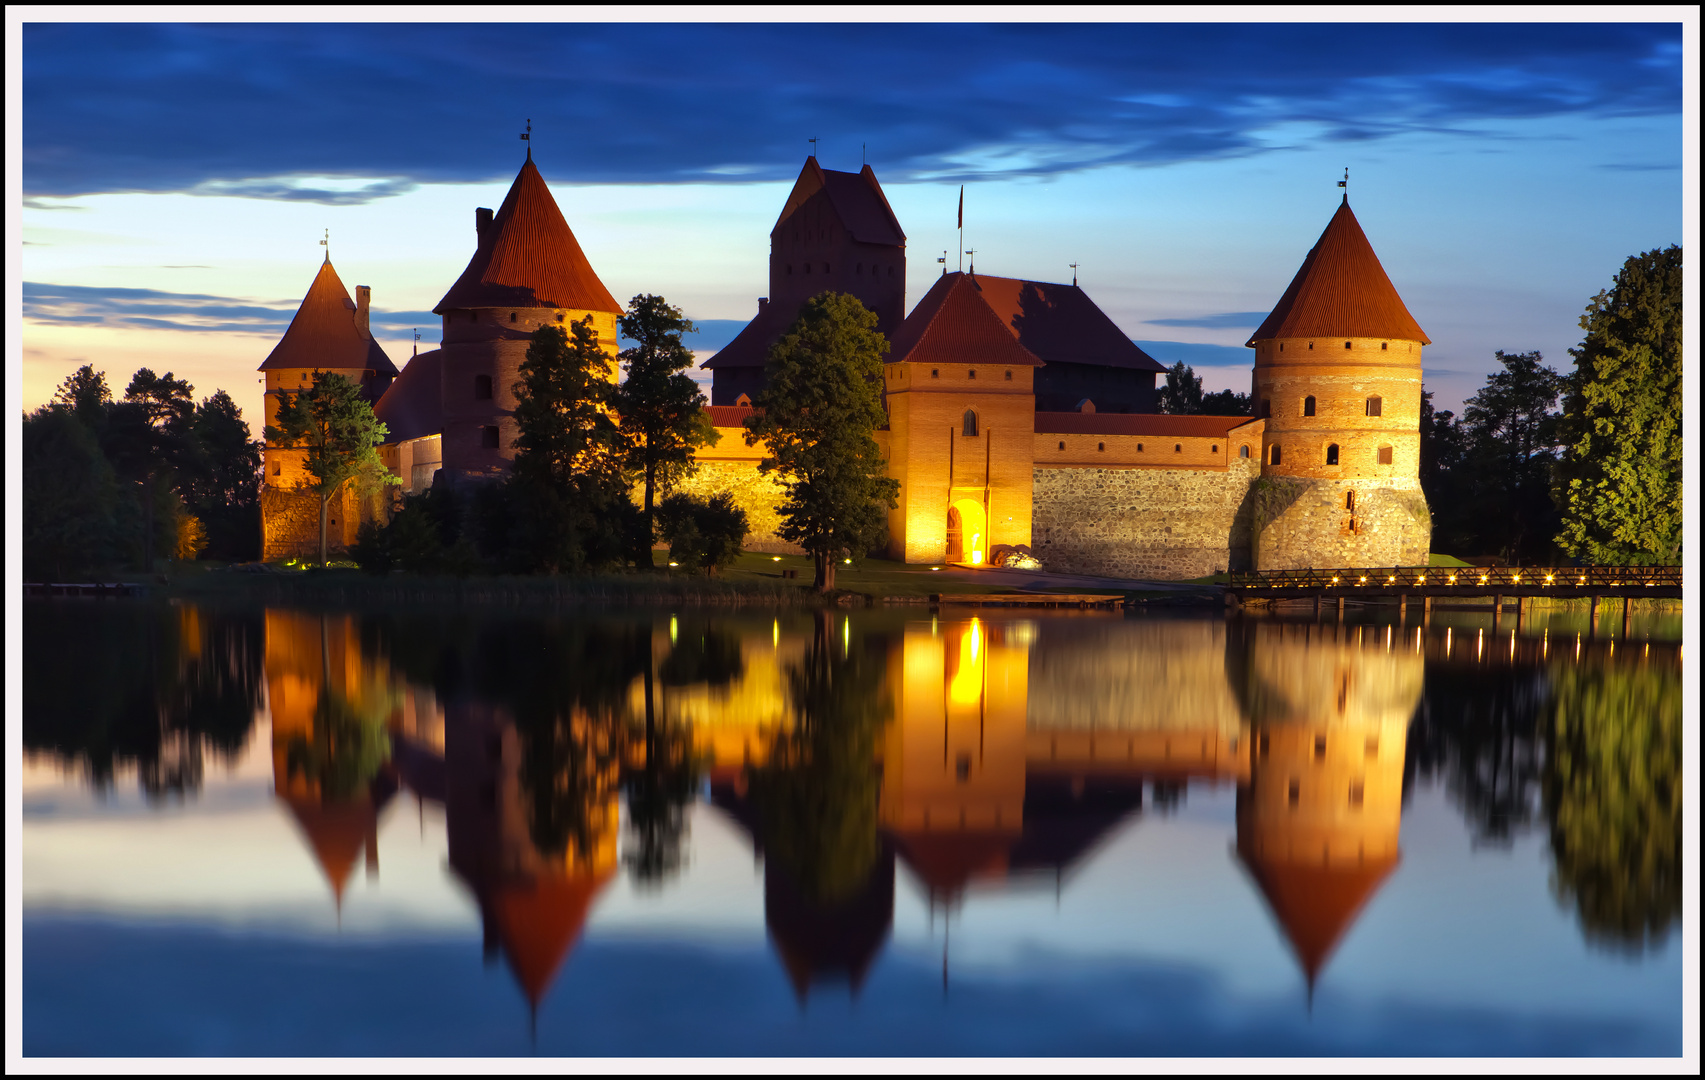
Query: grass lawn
1436,559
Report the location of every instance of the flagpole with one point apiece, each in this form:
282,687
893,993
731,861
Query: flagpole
961,228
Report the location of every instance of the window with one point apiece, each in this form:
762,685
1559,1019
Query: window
1332,454
1382,346
1281,346
1139,448
1308,405
1062,445
973,373
1311,346
1275,455
1346,344
1243,451
1349,500
1375,405
1101,446
970,423
935,373
1177,448
511,316
1009,376
488,438
1385,455
559,316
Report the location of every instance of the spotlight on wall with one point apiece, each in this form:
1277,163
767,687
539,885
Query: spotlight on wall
775,558
674,564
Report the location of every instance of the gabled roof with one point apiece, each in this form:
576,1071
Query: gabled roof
413,407
324,333
751,346
1315,905
953,324
857,199
528,257
974,318
1341,291
726,416
1159,425
946,862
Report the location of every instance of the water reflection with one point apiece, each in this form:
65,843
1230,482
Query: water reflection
990,757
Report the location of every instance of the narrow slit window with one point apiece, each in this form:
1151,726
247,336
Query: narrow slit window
512,316
1177,448
1101,446
970,423
1275,460
1062,446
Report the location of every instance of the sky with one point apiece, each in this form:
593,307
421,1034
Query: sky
177,179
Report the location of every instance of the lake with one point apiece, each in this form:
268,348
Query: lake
291,832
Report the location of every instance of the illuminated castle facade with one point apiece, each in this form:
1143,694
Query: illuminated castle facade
1019,414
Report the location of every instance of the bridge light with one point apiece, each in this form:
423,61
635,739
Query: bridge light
1334,581
1453,579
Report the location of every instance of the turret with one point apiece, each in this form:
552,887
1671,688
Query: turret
1338,380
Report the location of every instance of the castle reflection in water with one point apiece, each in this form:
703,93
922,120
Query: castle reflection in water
980,753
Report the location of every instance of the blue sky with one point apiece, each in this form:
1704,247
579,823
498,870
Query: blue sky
177,179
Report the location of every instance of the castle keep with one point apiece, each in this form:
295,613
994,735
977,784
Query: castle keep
1019,414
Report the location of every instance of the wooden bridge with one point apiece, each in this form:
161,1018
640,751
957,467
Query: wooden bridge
1432,582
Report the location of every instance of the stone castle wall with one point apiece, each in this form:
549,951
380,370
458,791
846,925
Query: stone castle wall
1316,523
1143,522
754,492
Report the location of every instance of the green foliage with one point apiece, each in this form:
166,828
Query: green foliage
340,434
220,478
1226,403
345,750
703,534
86,394
817,413
1619,480
1488,475
71,499
1182,394
1613,795
659,409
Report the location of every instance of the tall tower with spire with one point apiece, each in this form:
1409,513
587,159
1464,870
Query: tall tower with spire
836,233
328,333
1338,382
527,271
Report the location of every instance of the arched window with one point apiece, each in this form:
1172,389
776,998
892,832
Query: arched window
1332,454
1375,405
1243,451
511,316
970,423
1346,344
1177,448
1275,460
482,387
1214,449
743,401
1308,405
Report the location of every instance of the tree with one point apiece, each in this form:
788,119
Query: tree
147,440
567,439
703,534
1618,483
817,414
221,476
1225,403
85,393
659,410
340,433
1509,431
1182,394
70,498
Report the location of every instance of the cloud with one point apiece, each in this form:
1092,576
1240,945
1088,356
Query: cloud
1230,320
348,113
157,309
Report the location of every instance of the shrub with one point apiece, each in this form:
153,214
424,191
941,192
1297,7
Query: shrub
703,535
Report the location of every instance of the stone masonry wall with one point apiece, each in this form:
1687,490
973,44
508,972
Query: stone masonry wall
1146,522
1315,523
757,494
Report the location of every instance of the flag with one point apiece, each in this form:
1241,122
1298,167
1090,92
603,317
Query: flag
961,206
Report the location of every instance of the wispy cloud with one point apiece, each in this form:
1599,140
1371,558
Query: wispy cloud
158,309
276,111
1196,355
1229,320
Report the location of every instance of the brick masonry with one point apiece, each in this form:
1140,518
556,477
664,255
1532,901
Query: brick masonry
754,492
1143,522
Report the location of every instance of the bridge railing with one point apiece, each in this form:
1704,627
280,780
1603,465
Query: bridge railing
1462,578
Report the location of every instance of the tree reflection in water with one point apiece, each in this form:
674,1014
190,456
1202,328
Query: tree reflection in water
113,684
1479,732
1613,799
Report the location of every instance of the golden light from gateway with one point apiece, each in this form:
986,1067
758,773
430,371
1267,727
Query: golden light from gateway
967,685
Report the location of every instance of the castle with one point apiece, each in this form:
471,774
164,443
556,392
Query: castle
1019,414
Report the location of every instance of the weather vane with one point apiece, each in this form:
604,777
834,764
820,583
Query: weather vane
1074,273
527,137
943,262
417,341
813,143
326,242
1345,183
973,253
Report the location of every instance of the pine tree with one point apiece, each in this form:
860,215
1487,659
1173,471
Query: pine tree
341,435
817,413
1619,481
659,409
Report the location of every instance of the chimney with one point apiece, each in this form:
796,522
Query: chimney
363,296
482,223
763,302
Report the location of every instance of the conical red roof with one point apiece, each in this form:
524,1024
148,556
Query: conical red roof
539,921
325,333
1315,905
528,257
1341,291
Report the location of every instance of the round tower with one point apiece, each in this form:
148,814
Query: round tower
1338,382
528,271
